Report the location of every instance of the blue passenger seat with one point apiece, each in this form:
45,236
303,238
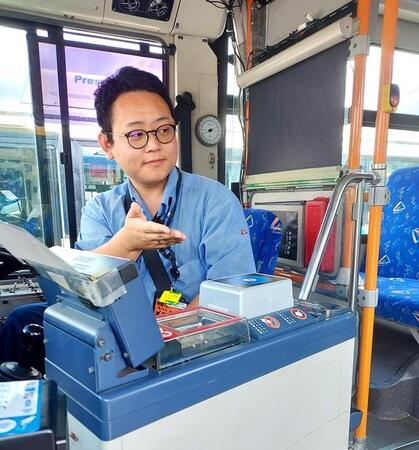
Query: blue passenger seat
398,265
266,236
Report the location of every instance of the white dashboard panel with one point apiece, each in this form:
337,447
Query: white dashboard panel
77,10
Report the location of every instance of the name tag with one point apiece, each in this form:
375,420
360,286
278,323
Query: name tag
170,297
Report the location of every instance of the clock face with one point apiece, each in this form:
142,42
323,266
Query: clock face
209,130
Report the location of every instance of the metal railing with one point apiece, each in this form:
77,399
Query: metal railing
311,276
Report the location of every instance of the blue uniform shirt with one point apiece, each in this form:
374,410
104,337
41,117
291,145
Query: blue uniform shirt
217,239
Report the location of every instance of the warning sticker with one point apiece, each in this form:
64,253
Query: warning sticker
271,322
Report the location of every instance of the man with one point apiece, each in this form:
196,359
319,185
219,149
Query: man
202,231
135,113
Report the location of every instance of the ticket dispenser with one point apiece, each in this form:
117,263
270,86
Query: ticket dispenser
289,386
248,295
101,325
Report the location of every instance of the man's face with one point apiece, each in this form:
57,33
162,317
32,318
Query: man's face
140,110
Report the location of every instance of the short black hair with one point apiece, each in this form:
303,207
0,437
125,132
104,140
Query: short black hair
126,79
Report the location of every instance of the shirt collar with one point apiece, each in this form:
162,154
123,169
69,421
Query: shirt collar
169,191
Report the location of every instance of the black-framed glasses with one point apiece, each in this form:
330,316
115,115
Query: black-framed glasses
139,138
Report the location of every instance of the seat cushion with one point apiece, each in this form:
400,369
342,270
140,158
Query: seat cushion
398,300
399,244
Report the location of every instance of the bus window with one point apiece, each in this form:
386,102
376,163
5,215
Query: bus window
100,174
22,201
234,131
403,135
85,68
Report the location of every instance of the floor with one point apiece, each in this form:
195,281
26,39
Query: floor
393,434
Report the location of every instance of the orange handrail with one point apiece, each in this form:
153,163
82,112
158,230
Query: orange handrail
357,115
388,42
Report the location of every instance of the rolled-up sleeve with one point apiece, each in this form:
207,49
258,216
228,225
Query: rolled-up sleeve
225,245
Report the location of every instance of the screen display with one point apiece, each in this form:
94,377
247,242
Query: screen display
289,246
291,251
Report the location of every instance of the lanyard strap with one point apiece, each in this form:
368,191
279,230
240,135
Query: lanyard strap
151,257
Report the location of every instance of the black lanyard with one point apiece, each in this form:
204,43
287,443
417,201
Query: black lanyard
154,267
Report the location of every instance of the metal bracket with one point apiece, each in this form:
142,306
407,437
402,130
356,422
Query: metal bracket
342,290
170,49
378,196
359,45
379,170
367,298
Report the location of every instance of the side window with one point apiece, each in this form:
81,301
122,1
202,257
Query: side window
403,134
234,131
21,201
50,161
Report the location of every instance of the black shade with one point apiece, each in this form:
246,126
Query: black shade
297,115
183,117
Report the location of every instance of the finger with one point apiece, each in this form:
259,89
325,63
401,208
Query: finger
165,244
172,236
178,235
135,212
156,228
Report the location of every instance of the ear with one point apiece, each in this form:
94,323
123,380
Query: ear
106,145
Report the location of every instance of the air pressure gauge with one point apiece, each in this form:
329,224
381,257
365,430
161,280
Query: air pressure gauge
209,130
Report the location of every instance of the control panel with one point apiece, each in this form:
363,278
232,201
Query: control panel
271,324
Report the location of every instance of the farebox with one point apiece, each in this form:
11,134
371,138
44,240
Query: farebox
247,295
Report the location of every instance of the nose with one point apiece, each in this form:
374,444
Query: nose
153,143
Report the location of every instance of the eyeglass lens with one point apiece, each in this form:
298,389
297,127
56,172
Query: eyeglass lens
139,138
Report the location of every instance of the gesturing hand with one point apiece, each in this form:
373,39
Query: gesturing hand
140,233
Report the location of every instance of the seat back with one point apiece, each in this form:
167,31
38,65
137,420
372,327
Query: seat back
266,236
399,244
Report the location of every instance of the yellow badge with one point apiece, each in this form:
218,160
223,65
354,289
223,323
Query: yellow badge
170,297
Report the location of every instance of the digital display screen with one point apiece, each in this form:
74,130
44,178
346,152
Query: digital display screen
291,251
289,246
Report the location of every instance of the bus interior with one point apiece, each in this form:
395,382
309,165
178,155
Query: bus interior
317,107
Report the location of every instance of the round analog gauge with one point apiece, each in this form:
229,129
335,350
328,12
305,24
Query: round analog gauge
209,130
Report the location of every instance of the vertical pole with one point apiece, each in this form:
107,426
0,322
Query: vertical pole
67,159
220,48
388,42
356,119
40,137
248,65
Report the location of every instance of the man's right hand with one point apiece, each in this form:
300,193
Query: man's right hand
139,234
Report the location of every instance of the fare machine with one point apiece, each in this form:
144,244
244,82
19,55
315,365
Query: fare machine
250,368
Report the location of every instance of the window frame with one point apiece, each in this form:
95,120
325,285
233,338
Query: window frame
56,37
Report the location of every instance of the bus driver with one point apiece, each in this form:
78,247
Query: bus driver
196,224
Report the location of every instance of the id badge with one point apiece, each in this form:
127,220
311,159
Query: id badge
170,297
170,302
